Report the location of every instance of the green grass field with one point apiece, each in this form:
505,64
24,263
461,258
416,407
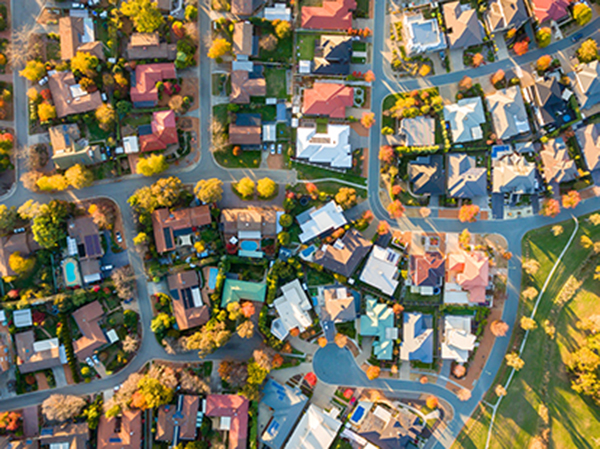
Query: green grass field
276,85
306,42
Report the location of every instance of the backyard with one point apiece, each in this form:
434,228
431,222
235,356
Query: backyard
276,86
306,45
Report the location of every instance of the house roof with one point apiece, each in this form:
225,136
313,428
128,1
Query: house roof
465,179
74,32
87,319
148,46
558,165
95,48
333,55
188,307
331,147
332,15
550,9
345,254
11,243
87,235
465,117
427,175
463,27
144,89
458,340
418,131
120,432
422,35
470,270
178,421
548,97
508,112
378,321
68,97
505,14
316,430
234,407
381,269
167,224
245,135
293,307
64,137
237,221
71,436
243,37
589,142
586,83
513,174
245,7
315,222
236,291
328,99
339,304
426,270
31,421
31,357
417,341
164,132
243,87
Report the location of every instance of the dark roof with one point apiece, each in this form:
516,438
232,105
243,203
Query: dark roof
335,56
553,108
427,270
345,254
427,175
465,180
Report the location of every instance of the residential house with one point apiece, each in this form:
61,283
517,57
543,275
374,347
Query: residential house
558,165
338,305
279,11
173,229
21,318
244,44
247,131
283,406
418,131
316,222
328,99
514,174
421,35
426,262
149,46
331,147
508,112
503,15
188,307
332,15
550,10
551,108
332,56
469,271
31,421
164,6
35,355
316,429
120,431
253,224
245,85
293,308
586,84
378,322
63,436
458,341
87,319
84,238
68,96
245,7
417,338
232,411
68,148
144,92
238,291
23,243
588,138
77,34
178,422
160,134
465,179
426,175
463,29
381,270
465,117
346,253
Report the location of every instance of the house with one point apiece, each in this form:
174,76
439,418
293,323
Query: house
558,165
426,271
465,117
316,429
339,304
465,179
586,84
23,243
77,34
21,318
178,422
232,411
279,11
35,355
421,35
315,222
551,108
588,138
161,133
144,92
512,173
245,7
328,99
68,148
164,5
329,147
243,40
87,319
188,307
245,85
345,254
470,271
63,436
283,406
550,10
332,55
426,175
418,131
381,270
246,131
417,338
250,224
332,15
293,310
68,96
238,291
149,46
462,26
120,431
174,228
458,340
84,238
378,322
503,15
508,112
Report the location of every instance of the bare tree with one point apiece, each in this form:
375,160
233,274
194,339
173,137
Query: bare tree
246,329
130,344
20,48
60,407
193,384
124,280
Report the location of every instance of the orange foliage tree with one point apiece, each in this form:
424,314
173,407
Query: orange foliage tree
369,76
468,213
543,63
322,341
499,328
340,340
373,372
551,208
367,215
571,199
277,361
521,47
498,77
387,154
395,209
368,119
311,188
432,402
397,309
248,309
383,227
477,60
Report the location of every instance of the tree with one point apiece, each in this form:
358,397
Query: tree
106,116
49,225
586,242
283,28
528,324
245,187
464,239
85,63
531,266
124,280
284,238
387,154
465,83
368,119
163,193
234,373
144,14
549,329
550,208
395,209
521,47
571,199
424,212
383,228
79,177
129,344
557,230
124,107
8,218
544,36
55,182
177,104
341,340
459,371
346,197
266,188
514,361
369,76
499,328
397,309
373,372
477,60
468,213
219,48
248,309
154,392
59,407
543,63
161,322
19,264
46,112
500,390
582,13
268,42
463,395
209,190
33,71
286,220
529,293
311,188
322,342
10,421
432,402
588,51
152,165
498,77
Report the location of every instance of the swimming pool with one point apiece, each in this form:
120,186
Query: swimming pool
71,272
248,245
358,414
212,278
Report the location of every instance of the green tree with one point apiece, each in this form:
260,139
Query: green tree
49,225
93,412
19,264
283,28
544,36
346,197
161,323
33,71
79,177
284,238
245,187
286,220
582,13
124,107
154,392
588,51
152,165
85,63
144,14
8,218
266,187
209,190
106,116
191,13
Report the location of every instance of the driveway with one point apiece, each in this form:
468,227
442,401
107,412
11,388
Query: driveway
456,59
117,260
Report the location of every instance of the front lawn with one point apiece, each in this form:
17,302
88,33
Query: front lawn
306,43
310,172
247,159
276,85
267,112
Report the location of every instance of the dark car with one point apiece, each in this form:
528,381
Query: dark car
577,37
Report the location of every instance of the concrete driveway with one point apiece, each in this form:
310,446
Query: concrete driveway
456,59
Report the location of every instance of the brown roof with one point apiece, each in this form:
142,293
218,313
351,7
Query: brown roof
339,304
76,435
164,5
71,30
166,222
236,408
243,87
93,48
242,38
256,219
66,103
245,135
146,77
63,137
120,432
182,415
244,7
28,359
148,46
22,242
186,314
31,421
87,318
86,233
345,254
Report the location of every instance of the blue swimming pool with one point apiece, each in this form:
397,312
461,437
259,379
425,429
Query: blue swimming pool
212,278
358,414
70,274
248,245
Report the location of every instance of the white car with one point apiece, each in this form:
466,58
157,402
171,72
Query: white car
279,148
89,362
272,148
96,359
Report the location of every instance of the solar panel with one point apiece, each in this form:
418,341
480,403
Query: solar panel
97,244
92,245
168,239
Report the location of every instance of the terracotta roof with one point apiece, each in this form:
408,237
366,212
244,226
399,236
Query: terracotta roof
550,9
120,432
471,272
87,318
243,87
22,242
30,360
165,223
233,407
75,435
186,313
256,219
148,46
243,33
183,415
339,304
558,165
345,254
328,99
245,7
71,30
426,269
164,132
69,98
146,77
245,135
333,15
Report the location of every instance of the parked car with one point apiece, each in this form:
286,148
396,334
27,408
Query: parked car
279,148
118,237
89,362
106,267
577,37
96,359
19,230
43,81
272,148
77,5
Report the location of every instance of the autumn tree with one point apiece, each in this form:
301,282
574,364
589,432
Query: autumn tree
549,329
152,165
245,187
234,373
266,188
571,199
55,182
59,407
550,208
395,209
468,213
34,71
497,77
19,264
248,309
283,28
424,212
544,36
543,63
397,309
268,42
529,293
144,14
103,215
129,344
588,51
10,421
477,60
124,281
557,230
85,63
322,342
154,392
46,112
387,154
463,395
531,266
368,119
432,402
106,116
79,177
8,218
499,328
500,390
246,329
209,190
514,361
582,13
341,340
586,242
528,324
459,371
346,197
383,227
521,47
219,48
465,83
373,372
369,76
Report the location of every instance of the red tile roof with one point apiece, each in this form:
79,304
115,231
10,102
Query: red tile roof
164,132
129,431
333,15
471,273
328,99
236,408
245,135
424,266
166,221
146,77
550,9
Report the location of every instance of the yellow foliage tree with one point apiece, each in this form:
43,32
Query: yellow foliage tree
54,182
219,48
19,264
46,112
79,177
